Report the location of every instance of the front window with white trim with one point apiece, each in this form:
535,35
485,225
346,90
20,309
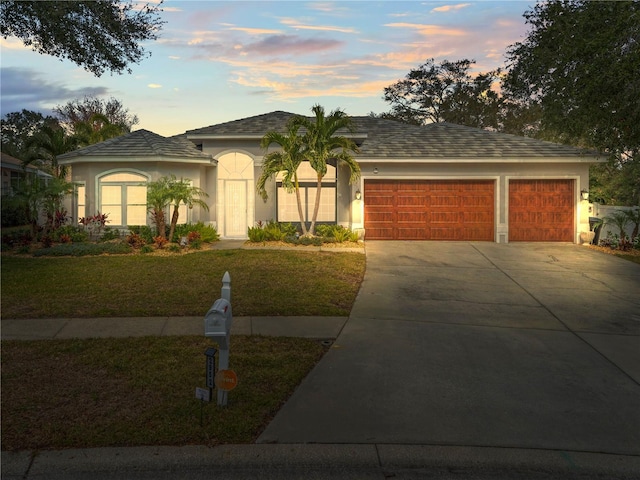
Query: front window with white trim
123,198
307,179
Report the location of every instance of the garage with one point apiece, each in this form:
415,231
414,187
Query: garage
541,210
429,210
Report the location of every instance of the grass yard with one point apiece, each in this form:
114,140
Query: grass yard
141,391
263,282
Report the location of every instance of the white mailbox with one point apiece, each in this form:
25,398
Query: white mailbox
217,323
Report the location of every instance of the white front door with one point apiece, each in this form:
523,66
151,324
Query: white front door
235,208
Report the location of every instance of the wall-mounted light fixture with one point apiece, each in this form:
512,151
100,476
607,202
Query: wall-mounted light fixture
358,195
375,171
584,194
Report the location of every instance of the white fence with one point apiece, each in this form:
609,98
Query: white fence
602,211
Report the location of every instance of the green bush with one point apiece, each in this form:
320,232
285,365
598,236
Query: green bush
256,234
337,232
144,231
82,249
174,248
146,249
208,234
76,233
271,231
110,233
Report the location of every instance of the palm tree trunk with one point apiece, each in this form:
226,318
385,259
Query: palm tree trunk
160,223
303,223
316,207
174,221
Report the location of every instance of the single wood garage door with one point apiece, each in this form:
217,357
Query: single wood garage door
429,210
541,210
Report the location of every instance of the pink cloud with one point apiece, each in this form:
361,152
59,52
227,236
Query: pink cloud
290,45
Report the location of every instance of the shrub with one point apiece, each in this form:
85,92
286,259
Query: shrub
134,240
208,234
195,244
160,242
337,232
110,233
75,233
146,249
175,248
271,231
144,231
65,238
256,234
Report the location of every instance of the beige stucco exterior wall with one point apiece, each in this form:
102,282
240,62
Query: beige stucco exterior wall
89,173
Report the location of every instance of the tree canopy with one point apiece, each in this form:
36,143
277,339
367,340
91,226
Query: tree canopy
98,35
445,92
579,66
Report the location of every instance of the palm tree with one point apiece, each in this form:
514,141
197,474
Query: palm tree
619,219
182,192
286,160
47,145
158,199
322,144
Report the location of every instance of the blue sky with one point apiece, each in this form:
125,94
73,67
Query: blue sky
217,61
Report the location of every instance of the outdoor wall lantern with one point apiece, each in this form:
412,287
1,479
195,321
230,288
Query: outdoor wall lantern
358,195
584,194
375,171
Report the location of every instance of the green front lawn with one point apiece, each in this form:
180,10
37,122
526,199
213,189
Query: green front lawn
141,391
263,282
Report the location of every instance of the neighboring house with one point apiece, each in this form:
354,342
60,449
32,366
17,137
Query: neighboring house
434,182
12,171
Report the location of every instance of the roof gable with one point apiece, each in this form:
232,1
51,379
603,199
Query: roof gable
140,143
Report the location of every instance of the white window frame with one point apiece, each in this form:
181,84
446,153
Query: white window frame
123,184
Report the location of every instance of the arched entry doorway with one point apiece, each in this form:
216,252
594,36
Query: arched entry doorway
236,197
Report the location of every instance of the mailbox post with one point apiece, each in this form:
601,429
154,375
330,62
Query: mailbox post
217,326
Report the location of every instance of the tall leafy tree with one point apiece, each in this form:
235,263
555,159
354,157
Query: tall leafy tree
322,142
285,161
579,66
445,92
95,112
17,127
97,129
98,35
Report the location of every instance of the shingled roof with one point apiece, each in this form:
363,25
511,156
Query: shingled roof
391,140
140,144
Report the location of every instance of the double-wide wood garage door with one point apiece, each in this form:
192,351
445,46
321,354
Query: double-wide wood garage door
429,210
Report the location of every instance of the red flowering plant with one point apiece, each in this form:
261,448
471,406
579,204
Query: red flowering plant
94,224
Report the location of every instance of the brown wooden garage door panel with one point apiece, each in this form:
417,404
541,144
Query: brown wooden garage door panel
429,210
541,210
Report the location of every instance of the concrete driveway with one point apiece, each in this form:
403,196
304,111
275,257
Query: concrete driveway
479,344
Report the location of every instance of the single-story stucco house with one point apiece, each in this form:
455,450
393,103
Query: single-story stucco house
435,182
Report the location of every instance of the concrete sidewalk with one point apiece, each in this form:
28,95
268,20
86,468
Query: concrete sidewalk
50,328
335,462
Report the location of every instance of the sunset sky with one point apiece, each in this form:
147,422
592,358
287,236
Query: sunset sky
217,61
